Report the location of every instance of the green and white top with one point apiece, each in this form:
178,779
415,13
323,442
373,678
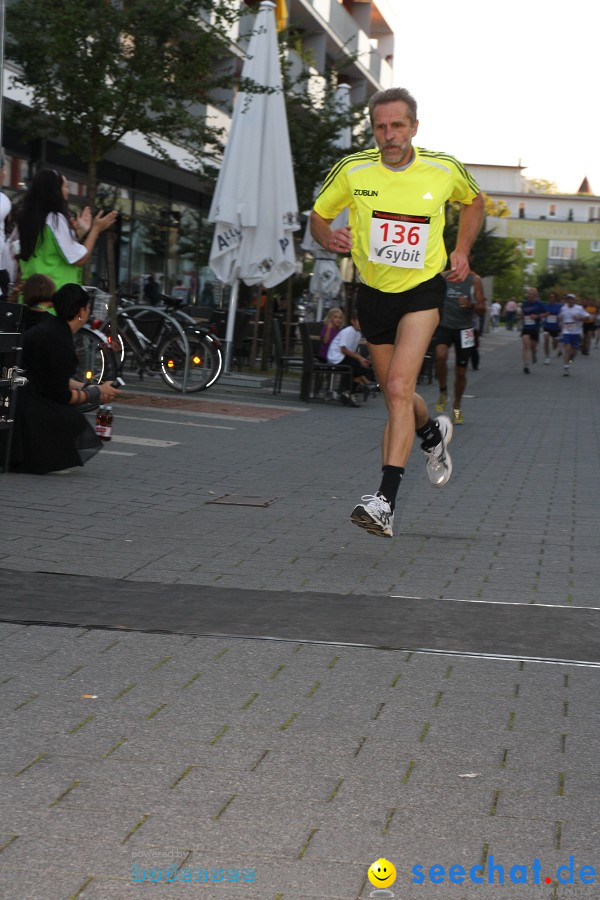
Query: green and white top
56,253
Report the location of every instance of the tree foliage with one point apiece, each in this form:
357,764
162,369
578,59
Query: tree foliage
96,70
510,282
315,119
496,208
581,277
542,185
490,255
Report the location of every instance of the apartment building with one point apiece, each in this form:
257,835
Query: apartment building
331,27
553,229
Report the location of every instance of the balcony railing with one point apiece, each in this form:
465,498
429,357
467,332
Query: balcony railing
354,39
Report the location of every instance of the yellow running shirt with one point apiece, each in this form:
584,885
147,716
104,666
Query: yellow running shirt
396,216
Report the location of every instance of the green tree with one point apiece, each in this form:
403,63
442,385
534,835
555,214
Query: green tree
490,255
96,70
315,119
581,277
542,185
510,281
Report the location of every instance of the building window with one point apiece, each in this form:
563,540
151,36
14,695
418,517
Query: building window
594,214
570,216
595,246
15,173
521,210
529,249
552,209
562,250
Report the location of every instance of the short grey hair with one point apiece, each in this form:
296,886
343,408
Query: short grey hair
394,95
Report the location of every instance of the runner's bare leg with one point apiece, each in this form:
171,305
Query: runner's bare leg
397,368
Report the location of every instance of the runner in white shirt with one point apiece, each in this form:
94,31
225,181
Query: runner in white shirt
571,318
495,310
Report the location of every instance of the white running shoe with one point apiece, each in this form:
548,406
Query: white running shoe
375,514
439,463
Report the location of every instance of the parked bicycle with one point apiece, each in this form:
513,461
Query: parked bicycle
95,358
159,340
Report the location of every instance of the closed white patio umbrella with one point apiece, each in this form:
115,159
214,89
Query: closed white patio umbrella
326,278
254,208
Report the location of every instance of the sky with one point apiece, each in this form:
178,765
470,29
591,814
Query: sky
508,83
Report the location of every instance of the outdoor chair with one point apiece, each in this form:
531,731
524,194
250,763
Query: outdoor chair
282,362
313,369
202,313
239,350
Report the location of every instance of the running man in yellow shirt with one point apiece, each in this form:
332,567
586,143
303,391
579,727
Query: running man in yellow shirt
396,195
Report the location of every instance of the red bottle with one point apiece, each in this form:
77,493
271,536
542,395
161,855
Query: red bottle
100,426
108,420
104,418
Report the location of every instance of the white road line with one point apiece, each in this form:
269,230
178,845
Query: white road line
503,657
117,453
174,422
508,657
143,442
546,605
495,602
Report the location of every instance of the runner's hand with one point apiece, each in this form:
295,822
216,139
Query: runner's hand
459,266
340,241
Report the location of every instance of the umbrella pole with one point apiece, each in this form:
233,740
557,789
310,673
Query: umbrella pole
288,318
266,345
233,300
253,349
319,312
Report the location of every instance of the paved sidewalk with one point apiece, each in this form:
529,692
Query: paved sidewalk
521,505
272,744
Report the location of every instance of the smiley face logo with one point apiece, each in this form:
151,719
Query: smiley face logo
381,873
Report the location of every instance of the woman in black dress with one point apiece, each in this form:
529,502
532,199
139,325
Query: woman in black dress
50,433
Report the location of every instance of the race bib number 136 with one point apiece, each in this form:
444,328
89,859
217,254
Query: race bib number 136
398,240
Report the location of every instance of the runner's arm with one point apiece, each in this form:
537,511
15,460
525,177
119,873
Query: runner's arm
338,241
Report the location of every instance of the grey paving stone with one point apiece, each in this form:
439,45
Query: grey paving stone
29,884
370,764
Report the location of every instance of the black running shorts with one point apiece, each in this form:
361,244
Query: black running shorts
451,338
379,312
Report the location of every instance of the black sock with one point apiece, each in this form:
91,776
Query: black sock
430,434
390,482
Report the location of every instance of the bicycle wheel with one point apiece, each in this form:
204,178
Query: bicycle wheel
95,360
205,362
